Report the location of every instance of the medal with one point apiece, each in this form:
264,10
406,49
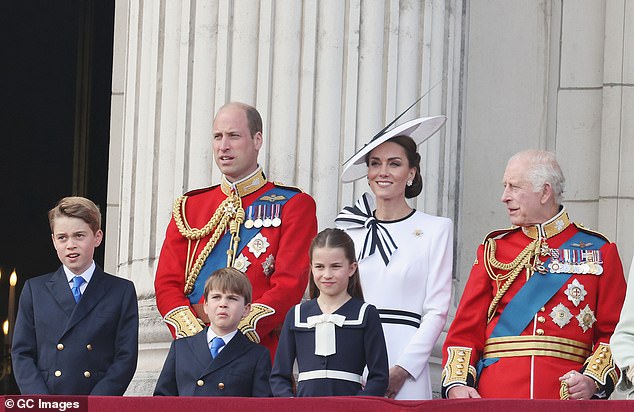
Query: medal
249,222
276,216
258,221
267,216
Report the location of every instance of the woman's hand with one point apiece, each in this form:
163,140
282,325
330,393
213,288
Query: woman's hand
398,376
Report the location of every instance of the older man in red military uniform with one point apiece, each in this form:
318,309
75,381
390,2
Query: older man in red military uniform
541,302
261,228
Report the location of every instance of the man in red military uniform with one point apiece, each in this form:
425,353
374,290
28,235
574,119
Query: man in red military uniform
259,227
541,302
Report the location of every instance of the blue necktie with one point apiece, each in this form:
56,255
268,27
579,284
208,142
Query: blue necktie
216,344
77,282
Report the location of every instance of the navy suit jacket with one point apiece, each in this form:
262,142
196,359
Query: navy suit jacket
242,368
86,348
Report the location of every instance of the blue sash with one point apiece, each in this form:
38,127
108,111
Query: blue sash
218,257
539,289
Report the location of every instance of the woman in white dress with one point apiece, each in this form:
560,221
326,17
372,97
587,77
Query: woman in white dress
405,255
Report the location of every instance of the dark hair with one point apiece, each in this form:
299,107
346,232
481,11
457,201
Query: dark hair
336,238
78,207
413,160
229,280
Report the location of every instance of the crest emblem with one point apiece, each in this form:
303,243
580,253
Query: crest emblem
258,245
576,292
241,263
586,318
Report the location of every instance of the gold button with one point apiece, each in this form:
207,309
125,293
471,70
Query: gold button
60,346
595,367
87,374
58,373
543,309
458,373
200,382
601,355
461,353
604,349
89,346
598,361
460,366
221,386
541,319
540,331
460,359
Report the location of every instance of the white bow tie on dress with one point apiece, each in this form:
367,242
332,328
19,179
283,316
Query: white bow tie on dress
325,341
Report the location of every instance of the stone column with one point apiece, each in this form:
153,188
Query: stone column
326,75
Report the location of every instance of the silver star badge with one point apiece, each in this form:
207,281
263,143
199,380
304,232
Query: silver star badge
241,263
561,315
258,245
576,292
586,318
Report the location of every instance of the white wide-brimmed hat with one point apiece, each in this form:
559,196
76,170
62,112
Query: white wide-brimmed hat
419,129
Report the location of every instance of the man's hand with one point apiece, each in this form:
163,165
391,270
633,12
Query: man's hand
579,386
462,391
398,376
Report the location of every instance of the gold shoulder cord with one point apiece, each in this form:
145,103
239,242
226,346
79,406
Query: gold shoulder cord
229,213
514,268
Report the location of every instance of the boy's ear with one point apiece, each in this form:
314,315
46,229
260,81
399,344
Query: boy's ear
98,237
247,309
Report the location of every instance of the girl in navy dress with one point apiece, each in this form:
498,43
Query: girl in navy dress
335,335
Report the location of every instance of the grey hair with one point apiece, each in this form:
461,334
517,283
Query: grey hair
543,168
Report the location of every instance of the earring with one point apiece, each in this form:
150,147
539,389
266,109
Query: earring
409,183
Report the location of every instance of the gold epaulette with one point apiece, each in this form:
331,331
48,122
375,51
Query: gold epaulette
458,369
592,232
499,233
289,187
600,366
248,323
184,322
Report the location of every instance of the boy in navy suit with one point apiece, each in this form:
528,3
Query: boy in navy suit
219,360
76,332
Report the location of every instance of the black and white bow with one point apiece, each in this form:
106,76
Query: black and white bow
377,238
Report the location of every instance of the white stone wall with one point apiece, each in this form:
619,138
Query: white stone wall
327,74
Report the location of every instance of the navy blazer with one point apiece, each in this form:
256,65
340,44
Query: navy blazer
65,348
242,368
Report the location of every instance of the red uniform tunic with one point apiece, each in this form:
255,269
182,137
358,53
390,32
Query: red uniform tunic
278,275
572,330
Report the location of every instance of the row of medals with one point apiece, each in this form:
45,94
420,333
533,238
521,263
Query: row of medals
590,263
265,216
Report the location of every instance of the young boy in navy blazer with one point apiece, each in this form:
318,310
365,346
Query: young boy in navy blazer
219,360
76,332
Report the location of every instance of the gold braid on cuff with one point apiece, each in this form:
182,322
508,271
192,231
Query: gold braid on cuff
600,366
184,322
458,368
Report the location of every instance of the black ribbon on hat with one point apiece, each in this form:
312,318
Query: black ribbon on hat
377,238
386,128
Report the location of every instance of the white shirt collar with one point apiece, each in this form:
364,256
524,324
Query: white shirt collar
211,334
87,275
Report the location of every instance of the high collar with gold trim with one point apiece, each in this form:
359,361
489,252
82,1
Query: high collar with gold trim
549,228
246,186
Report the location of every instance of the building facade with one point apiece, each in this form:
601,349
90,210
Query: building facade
326,75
